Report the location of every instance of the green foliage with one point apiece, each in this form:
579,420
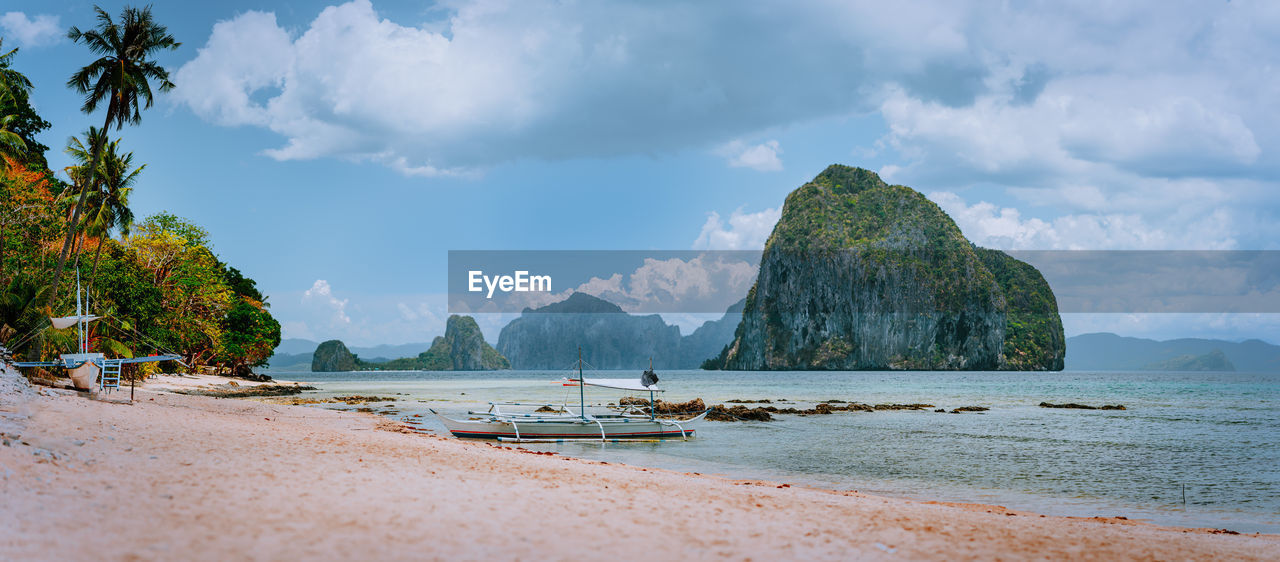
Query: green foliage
22,316
190,233
15,101
121,75
241,285
1033,337
250,335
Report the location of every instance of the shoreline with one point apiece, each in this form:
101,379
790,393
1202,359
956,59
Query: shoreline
191,476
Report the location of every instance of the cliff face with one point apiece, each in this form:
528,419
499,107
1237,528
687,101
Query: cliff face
549,337
461,348
332,356
1033,336
710,338
466,348
859,274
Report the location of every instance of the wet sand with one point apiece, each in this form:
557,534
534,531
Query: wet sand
191,477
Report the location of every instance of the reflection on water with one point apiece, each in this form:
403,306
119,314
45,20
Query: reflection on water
1216,433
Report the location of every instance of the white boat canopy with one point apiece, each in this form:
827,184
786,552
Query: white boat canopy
620,384
64,322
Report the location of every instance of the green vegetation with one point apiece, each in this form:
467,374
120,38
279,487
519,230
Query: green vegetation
1033,333
158,282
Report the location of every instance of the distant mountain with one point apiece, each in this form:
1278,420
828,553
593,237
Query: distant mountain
290,361
549,337
710,338
386,352
1215,360
294,346
1110,352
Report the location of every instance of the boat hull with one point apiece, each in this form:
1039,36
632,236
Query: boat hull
573,428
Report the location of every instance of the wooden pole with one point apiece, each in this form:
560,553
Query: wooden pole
582,388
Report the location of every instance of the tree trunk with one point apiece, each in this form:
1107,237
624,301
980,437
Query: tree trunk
2,223
97,254
75,215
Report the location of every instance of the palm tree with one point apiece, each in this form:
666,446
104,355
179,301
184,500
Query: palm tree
120,78
11,145
10,79
109,205
82,152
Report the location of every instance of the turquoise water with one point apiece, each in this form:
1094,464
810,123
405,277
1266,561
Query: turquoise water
1217,434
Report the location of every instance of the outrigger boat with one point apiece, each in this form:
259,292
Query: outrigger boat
85,369
626,423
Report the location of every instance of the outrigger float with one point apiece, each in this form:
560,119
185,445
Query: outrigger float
623,424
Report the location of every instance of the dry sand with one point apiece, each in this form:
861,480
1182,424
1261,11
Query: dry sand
191,477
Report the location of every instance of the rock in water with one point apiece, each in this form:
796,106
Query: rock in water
859,274
332,356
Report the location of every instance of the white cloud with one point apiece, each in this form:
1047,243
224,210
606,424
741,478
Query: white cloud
1005,228
499,81
760,157
1065,105
706,283
744,231
322,294
41,30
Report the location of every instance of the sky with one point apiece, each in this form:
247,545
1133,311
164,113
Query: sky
337,151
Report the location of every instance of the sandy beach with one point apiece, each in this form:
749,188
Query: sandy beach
191,477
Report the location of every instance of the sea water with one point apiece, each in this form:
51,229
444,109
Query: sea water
1191,449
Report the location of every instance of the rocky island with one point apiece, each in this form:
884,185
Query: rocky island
461,348
333,356
859,274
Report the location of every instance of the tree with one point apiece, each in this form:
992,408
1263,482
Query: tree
82,152
195,297
250,335
20,316
109,204
23,122
11,145
120,77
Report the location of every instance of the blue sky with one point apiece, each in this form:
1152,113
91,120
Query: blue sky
337,151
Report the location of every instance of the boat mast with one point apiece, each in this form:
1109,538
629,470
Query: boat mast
582,388
80,339
653,406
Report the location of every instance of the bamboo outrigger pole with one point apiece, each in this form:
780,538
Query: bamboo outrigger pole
582,388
